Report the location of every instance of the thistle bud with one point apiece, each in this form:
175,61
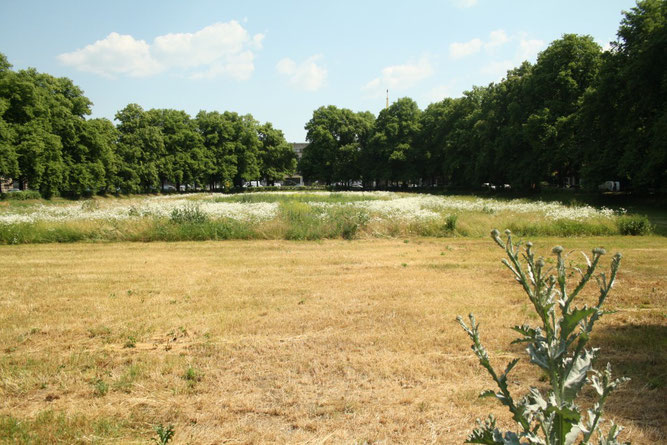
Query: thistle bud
495,233
599,251
618,256
557,250
529,245
508,232
539,262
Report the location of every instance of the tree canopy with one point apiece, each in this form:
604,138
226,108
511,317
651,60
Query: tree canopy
578,116
47,142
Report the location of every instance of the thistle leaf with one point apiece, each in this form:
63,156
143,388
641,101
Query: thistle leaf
576,377
487,393
570,321
572,436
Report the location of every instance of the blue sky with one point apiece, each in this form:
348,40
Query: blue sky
280,60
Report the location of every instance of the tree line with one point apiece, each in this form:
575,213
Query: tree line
47,142
579,115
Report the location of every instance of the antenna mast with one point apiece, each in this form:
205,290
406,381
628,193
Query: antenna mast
387,106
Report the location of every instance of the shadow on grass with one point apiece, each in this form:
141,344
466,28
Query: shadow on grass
654,207
640,353
636,351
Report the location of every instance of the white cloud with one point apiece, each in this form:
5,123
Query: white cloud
439,92
307,75
239,66
257,40
400,77
528,49
496,39
218,49
115,55
458,50
498,69
464,3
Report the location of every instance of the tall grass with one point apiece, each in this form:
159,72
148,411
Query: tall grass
298,216
332,198
305,222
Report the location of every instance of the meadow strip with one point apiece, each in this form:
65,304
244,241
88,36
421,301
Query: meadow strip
273,215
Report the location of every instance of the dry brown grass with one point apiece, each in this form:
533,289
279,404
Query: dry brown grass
291,342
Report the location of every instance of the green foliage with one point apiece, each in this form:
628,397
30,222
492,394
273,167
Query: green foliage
624,117
634,225
192,376
278,160
190,214
304,222
101,388
336,137
563,227
389,156
21,196
347,221
221,229
164,434
450,222
558,347
131,342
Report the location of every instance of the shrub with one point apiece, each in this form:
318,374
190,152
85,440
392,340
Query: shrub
21,196
450,222
558,347
189,214
347,221
634,225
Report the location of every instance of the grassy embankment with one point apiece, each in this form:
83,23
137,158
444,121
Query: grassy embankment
290,342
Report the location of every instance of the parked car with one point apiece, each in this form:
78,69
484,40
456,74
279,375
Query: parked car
610,186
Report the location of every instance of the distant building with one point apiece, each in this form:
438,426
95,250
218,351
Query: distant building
7,184
298,148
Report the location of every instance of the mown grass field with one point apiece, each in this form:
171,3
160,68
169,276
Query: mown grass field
293,342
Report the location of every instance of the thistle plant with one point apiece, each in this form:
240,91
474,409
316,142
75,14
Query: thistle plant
558,347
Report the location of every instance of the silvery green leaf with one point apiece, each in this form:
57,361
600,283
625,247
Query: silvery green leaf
538,357
486,433
571,437
588,261
527,331
534,401
612,436
576,377
534,439
510,438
